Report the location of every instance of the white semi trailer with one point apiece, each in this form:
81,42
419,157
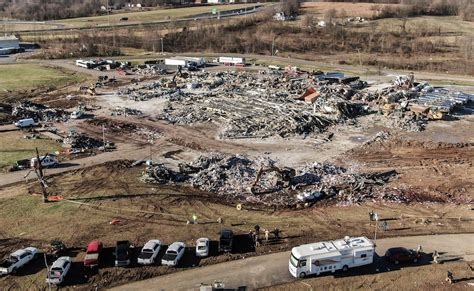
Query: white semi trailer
330,256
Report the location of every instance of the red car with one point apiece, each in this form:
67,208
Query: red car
91,259
397,255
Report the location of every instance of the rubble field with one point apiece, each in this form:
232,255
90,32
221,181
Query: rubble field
320,152
272,103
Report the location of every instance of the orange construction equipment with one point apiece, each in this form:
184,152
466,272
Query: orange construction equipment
54,198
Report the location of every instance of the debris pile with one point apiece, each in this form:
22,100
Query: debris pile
125,111
149,70
235,177
410,105
81,141
38,112
249,104
147,91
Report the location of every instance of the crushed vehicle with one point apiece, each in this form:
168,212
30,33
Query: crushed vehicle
17,260
149,252
226,240
173,254
59,270
57,248
122,253
92,258
77,114
202,247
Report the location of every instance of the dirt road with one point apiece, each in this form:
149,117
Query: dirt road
269,270
126,151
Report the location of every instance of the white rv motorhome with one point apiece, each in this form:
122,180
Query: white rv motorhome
330,256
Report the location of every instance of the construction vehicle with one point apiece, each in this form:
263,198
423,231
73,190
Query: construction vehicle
90,90
179,73
285,176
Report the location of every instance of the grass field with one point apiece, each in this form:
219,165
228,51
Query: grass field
14,147
21,77
147,16
319,9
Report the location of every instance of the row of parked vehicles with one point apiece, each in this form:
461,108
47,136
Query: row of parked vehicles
94,255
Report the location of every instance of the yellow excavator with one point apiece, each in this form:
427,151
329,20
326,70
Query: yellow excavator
285,176
90,90
172,83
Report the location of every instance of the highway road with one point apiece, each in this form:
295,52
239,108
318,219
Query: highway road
205,16
270,270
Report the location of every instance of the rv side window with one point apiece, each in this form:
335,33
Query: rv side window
302,263
363,256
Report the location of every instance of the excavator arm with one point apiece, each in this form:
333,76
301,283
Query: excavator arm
285,176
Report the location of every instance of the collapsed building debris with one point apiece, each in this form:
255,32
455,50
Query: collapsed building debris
275,103
125,111
38,112
240,178
409,105
81,141
250,105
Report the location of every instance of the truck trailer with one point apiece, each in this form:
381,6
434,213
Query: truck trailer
330,256
231,61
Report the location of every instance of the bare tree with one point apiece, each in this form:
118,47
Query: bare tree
331,15
290,7
308,20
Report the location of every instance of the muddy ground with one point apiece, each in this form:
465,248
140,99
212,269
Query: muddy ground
95,196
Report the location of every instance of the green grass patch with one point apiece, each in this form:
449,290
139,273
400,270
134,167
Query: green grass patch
13,147
21,77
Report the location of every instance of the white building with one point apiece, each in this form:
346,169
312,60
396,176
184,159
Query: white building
9,42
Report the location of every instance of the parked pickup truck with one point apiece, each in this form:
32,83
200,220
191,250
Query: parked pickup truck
122,253
17,260
91,260
225,240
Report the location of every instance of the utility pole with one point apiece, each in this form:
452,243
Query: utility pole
162,52
113,27
40,174
273,46
103,136
376,217
151,140
5,26
47,270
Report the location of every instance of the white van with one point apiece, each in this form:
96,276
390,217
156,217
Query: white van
46,161
27,122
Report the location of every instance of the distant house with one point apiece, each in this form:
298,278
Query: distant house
9,42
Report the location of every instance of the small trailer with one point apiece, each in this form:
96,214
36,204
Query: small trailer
232,61
330,256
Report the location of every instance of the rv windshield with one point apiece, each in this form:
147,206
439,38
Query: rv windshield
293,260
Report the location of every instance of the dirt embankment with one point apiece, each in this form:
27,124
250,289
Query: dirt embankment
441,169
